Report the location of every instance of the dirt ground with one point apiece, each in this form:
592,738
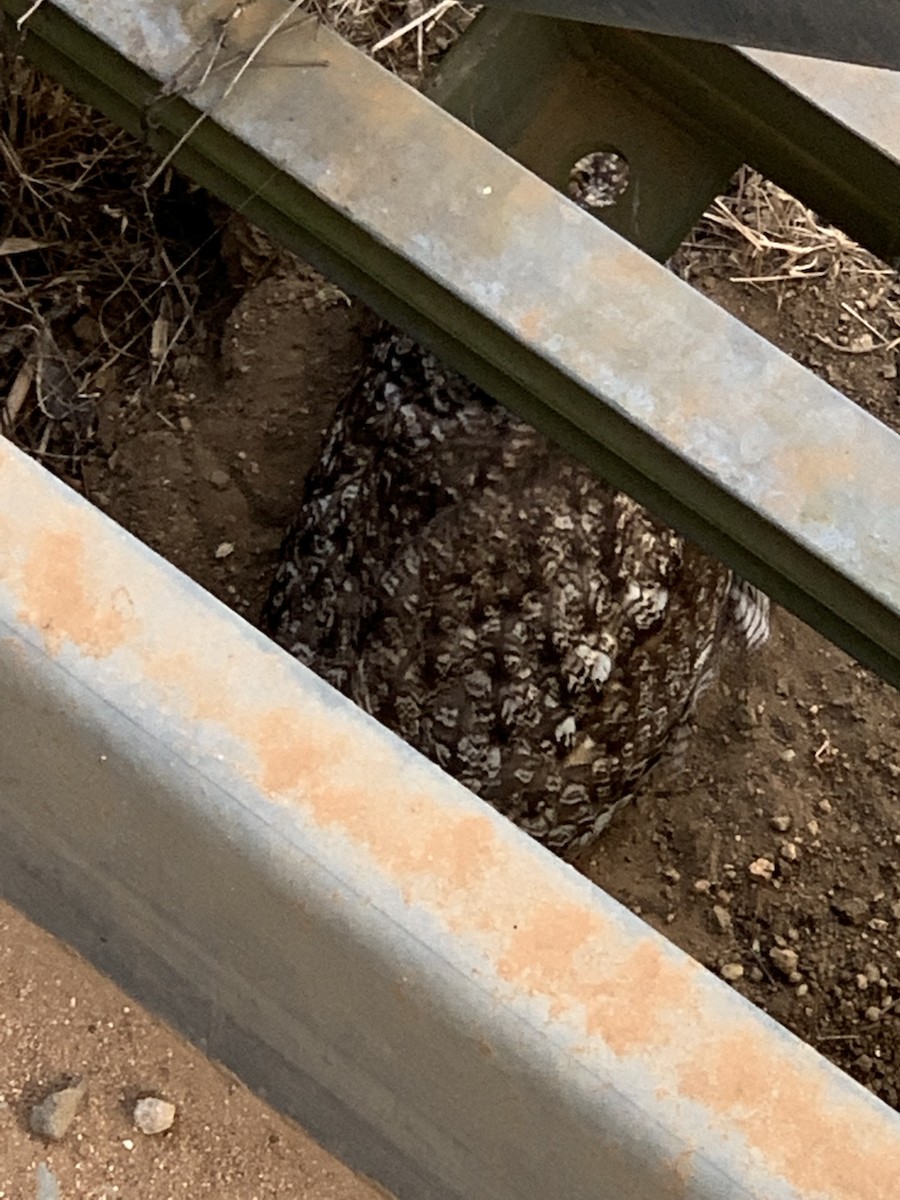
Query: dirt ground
60,1019
773,857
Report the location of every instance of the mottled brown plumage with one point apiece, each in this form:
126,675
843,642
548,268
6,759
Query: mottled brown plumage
530,629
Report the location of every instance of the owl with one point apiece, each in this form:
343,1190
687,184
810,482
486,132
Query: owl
526,626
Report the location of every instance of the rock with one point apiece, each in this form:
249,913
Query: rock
784,958
219,479
731,971
789,851
722,917
873,1013
53,1116
154,1115
47,1183
781,823
224,549
762,868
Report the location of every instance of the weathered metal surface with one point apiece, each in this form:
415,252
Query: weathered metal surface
864,31
548,92
684,115
827,132
438,999
649,383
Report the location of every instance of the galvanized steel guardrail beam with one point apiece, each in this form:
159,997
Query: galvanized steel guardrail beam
438,999
651,384
863,31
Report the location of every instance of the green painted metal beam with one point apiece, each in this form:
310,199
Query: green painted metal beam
654,387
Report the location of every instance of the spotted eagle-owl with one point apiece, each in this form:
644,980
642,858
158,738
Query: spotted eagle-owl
526,626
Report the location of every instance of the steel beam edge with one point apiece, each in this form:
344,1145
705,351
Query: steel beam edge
648,382
866,31
440,1001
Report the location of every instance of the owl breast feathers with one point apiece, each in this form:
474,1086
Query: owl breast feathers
530,629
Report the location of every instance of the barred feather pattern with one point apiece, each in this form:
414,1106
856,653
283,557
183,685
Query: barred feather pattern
530,629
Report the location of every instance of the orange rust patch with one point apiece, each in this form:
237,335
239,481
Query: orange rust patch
294,748
375,800
531,324
178,671
789,1116
632,1011
60,599
813,472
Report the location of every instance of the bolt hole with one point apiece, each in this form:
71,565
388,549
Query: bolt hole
599,179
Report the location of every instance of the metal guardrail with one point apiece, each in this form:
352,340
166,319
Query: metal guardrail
684,115
441,1002
863,31
648,382
433,995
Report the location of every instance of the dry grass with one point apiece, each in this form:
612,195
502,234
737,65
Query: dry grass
768,237
99,276
105,252
761,236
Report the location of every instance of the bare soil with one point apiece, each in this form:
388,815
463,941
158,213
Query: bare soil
60,1019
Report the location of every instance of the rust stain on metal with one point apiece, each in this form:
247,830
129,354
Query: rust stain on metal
361,786
791,1116
60,599
630,1008
814,473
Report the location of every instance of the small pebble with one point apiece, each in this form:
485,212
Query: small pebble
732,971
224,549
47,1183
789,851
784,958
873,1013
762,868
861,982
722,917
219,479
703,885
54,1115
781,823
153,1115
